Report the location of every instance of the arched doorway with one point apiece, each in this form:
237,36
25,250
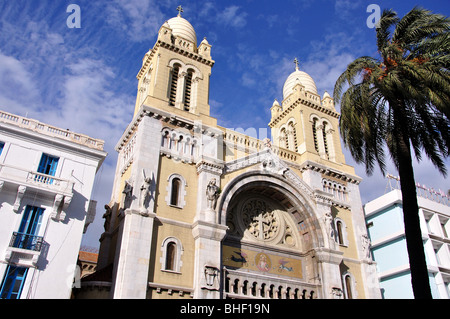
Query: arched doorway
268,251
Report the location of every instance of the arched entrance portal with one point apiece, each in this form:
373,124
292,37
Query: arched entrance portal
268,251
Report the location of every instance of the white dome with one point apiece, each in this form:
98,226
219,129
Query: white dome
298,76
181,27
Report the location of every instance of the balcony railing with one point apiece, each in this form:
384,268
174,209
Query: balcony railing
30,178
52,131
26,241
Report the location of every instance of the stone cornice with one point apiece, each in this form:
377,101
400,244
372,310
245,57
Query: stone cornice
346,177
192,55
174,120
304,102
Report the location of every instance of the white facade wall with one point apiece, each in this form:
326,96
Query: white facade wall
384,218
65,201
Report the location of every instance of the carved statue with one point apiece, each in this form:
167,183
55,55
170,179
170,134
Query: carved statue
145,192
328,224
128,195
212,193
107,217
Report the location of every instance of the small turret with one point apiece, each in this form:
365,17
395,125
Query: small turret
275,109
328,101
204,49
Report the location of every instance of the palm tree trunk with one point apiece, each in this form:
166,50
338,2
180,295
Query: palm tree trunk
413,234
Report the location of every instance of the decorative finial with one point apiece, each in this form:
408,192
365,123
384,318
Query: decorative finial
179,9
296,64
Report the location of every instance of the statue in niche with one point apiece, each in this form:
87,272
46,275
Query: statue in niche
145,192
328,218
128,195
212,193
107,217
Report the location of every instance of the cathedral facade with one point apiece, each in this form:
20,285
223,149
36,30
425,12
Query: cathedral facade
200,211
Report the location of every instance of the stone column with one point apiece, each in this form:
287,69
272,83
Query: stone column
131,265
207,276
131,272
207,232
320,140
331,150
179,100
329,261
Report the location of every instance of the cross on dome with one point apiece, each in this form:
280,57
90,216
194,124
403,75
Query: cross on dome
296,64
179,9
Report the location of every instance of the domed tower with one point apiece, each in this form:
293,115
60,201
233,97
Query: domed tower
304,122
175,73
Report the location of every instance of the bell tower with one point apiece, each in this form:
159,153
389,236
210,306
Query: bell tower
175,73
304,122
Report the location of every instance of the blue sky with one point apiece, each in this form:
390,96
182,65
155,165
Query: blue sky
84,79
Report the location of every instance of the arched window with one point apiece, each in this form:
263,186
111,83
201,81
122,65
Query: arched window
236,286
263,290
340,235
325,143
284,139
314,129
172,252
292,137
349,285
170,256
188,90
341,232
173,84
175,192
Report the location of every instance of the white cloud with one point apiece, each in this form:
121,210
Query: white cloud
18,89
140,19
231,17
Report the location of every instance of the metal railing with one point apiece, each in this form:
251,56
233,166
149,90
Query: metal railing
26,241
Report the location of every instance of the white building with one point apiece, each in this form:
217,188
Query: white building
46,179
384,217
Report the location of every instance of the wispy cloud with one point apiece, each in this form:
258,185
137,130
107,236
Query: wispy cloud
18,90
232,16
139,19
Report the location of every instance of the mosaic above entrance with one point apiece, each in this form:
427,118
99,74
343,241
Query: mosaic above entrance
261,262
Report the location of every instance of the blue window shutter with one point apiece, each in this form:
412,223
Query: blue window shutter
47,165
53,165
43,163
31,220
13,281
37,220
25,219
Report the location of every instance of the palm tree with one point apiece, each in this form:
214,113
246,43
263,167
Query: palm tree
401,100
